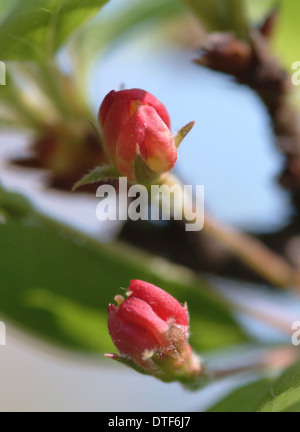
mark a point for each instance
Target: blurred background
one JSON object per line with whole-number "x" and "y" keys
{"x": 56, "y": 283}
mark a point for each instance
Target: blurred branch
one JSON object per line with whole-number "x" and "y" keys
{"x": 273, "y": 360}
{"x": 266, "y": 316}
{"x": 269, "y": 265}
{"x": 252, "y": 64}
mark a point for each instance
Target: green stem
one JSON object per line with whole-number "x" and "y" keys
{"x": 52, "y": 83}
{"x": 16, "y": 100}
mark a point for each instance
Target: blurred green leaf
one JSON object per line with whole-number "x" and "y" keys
{"x": 57, "y": 284}
{"x": 257, "y": 10}
{"x": 244, "y": 399}
{"x": 284, "y": 395}
{"x": 14, "y": 204}
{"x": 287, "y": 34}
{"x": 4, "y": 5}
{"x": 225, "y": 15}
{"x": 15, "y": 106}
{"x": 102, "y": 32}
{"x": 35, "y": 29}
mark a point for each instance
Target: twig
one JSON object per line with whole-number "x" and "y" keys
{"x": 251, "y": 251}
{"x": 257, "y": 256}
{"x": 269, "y": 318}
{"x": 277, "y": 358}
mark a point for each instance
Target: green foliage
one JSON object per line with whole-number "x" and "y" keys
{"x": 106, "y": 29}
{"x": 4, "y": 5}
{"x": 225, "y": 15}
{"x": 244, "y": 399}
{"x": 286, "y": 38}
{"x": 35, "y": 29}
{"x": 284, "y": 395}
{"x": 257, "y": 10}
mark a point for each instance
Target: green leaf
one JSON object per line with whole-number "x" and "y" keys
{"x": 284, "y": 395}
{"x": 104, "y": 172}
{"x": 57, "y": 283}
{"x": 257, "y": 10}
{"x": 104, "y": 31}
{"x": 4, "y": 5}
{"x": 286, "y": 38}
{"x": 244, "y": 399}
{"x": 35, "y": 29}
{"x": 14, "y": 204}
{"x": 225, "y": 15}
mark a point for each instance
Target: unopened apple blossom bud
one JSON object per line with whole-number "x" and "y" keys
{"x": 136, "y": 138}
{"x": 136, "y": 134}
{"x": 150, "y": 329}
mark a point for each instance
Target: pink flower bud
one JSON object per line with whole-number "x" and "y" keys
{"x": 136, "y": 125}
{"x": 151, "y": 329}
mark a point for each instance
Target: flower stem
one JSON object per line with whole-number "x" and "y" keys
{"x": 52, "y": 82}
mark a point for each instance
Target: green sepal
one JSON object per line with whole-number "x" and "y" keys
{"x": 98, "y": 174}
{"x": 183, "y": 133}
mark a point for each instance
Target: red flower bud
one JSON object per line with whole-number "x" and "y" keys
{"x": 135, "y": 124}
{"x": 150, "y": 329}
